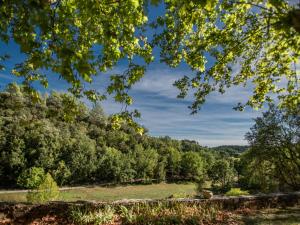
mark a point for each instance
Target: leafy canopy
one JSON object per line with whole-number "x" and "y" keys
{"x": 274, "y": 152}
{"x": 245, "y": 42}
{"x": 37, "y": 138}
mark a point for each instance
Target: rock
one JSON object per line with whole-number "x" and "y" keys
{"x": 207, "y": 194}
{"x": 172, "y": 196}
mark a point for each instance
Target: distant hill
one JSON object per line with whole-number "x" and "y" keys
{"x": 231, "y": 150}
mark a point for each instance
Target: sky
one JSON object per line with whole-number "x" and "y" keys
{"x": 162, "y": 113}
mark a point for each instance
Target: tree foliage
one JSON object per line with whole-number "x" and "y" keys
{"x": 192, "y": 166}
{"x": 275, "y": 150}
{"x": 31, "y": 178}
{"x": 244, "y": 42}
{"x": 222, "y": 173}
{"x": 47, "y": 190}
{"x": 36, "y": 138}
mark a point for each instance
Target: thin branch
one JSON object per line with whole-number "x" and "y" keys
{"x": 56, "y": 5}
{"x": 255, "y": 5}
{"x": 296, "y": 74}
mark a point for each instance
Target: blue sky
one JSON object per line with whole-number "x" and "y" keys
{"x": 162, "y": 113}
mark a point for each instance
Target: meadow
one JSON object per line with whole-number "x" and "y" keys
{"x": 96, "y": 193}
{"x": 154, "y": 214}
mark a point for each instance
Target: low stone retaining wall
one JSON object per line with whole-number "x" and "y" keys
{"x": 24, "y": 211}
{"x": 221, "y": 202}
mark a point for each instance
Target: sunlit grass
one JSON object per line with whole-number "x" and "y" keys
{"x": 13, "y": 197}
{"x": 153, "y": 191}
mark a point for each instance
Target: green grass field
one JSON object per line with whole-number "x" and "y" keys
{"x": 153, "y": 191}
{"x": 289, "y": 216}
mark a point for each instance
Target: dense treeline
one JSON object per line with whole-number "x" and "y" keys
{"x": 231, "y": 150}
{"x": 75, "y": 144}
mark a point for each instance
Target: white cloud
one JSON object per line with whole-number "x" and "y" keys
{"x": 160, "y": 81}
{"x": 163, "y": 114}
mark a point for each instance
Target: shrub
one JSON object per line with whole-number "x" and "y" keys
{"x": 46, "y": 191}
{"x": 31, "y": 178}
{"x": 86, "y": 216}
{"x": 62, "y": 173}
{"x": 127, "y": 215}
{"x": 142, "y": 214}
{"x": 236, "y": 192}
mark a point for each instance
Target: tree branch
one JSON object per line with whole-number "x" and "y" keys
{"x": 255, "y": 5}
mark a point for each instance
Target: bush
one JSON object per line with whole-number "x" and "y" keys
{"x": 31, "y": 178}
{"x": 46, "y": 191}
{"x": 236, "y": 192}
{"x": 127, "y": 215}
{"x": 62, "y": 173}
{"x": 141, "y": 214}
{"x": 87, "y": 216}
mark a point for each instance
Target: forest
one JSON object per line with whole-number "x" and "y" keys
{"x": 245, "y": 51}
{"x": 81, "y": 146}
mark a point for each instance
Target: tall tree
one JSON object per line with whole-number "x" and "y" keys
{"x": 275, "y": 143}
{"x": 222, "y": 173}
{"x": 192, "y": 166}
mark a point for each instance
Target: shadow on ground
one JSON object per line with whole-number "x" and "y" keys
{"x": 287, "y": 216}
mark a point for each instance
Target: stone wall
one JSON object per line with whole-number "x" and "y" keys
{"x": 24, "y": 212}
